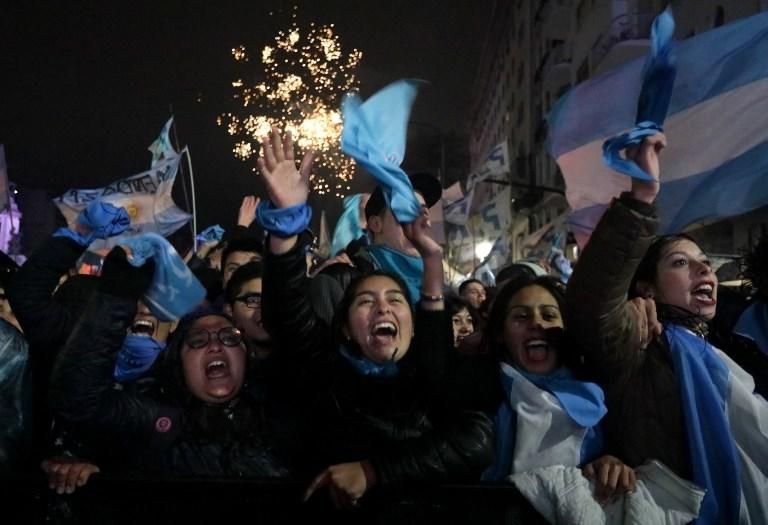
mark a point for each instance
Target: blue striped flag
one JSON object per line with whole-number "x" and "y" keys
{"x": 717, "y": 128}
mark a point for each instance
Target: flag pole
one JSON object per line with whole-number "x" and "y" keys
{"x": 194, "y": 208}
{"x": 183, "y": 180}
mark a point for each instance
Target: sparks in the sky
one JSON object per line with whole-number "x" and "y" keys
{"x": 305, "y": 75}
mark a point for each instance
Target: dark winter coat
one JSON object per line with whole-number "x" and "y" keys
{"x": 402, "y": 425}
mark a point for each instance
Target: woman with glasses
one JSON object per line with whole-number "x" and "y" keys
{"x": 197, "y": 418}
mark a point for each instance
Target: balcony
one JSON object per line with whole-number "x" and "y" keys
{"x": 627, "y": 38}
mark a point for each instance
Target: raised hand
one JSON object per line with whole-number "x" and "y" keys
{"x": 247, "y": 213}
{"x": 287, "y": 186}
{"x": 647, "y": 157}
{"x": 418, "y": 233}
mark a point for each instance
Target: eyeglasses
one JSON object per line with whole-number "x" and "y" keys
{"x": 251, "y": 300}
{"x": 200, "y": 337}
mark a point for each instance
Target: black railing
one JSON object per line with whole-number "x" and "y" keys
{"x": 108, "y": 500}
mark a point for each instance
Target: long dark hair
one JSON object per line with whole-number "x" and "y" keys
{"x": 342, "y": 311}
{"x": 492, "y": 336}
{"x": 648, "y": 272}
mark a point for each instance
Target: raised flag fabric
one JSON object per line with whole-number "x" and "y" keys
{"x": 348, "y": 226}
{"x": 717, "y": 157}
{"x": 145, "y": 196}
{"x": 658, "y": 80}
{"x": 496, "y": 164}
{"x": 174, "y": 291}
{"x": 374, "y": 134}
{"x": 162, "y": 148}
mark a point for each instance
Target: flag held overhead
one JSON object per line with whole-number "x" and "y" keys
{"x": 715, "y": 164}
{"x": 655, "y": 94}
{"x": 374, "y": 134}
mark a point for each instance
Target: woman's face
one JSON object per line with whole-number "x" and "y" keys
{"x": 214, "y": 372}
{"x": 463, "y": 325}
{"x": 684, "y": 278}
{"x": 530, "y": 312}
{"x": 379, "y": 319}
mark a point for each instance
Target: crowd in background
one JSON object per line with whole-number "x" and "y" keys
{"x": 363, "y": 375}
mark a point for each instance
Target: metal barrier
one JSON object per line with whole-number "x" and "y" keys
{"x": 106, "y": 500}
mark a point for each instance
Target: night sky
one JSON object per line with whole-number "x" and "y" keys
{"x": 87, "y": 86}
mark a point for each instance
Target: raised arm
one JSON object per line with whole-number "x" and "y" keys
{"x": 82, "y": 384}
{"x": 288, "y": 313}
{"x": 612, "y": 329}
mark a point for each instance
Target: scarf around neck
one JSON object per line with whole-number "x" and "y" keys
{"x": 584, "y": 403}
{"x": 705, "y": 387}
{"x": 366, "y": 367}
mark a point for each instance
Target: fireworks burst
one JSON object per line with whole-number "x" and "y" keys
{"x": 306, "y": 73}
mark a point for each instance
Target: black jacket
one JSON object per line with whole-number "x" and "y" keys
{"x": 47, "y": 319}
{"x": 402, "y": 425}
{"x": 150, "y": 432}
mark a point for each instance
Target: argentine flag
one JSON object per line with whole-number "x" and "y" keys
{"x": 717, "y": 127}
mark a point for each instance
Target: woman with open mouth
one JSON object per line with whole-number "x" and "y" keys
{"x": 671, "y": 395}
{"x": 196, "y": 419}
{"x": 548, "y": 415}
{"x": 378, "y": 422}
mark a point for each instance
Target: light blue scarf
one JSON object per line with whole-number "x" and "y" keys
{"x": 658, "y": 81}
{"x": 136, "y": 356}
{"x": 374, "y": 134}
{"x": 753, "y": 323}
{"x": 174, "y": 291}
{"x": 365, "y": 367}
{"x": 705, "y": 387}
{"x": 584, "y": 402}
{"x": 409, "y": 267}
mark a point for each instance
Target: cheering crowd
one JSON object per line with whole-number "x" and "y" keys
{"x": 623, "y": 395}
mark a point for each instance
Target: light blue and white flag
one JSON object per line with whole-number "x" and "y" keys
{"x": 374, "y": 134}
{"x": 348, "y": 227}
{"x": 717, "y": 129}
{"x": 162, "y": 148}
{"x": 496, "y": 164}
{"x": 145, "y": 196}
{"x": 174, "y": 291}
